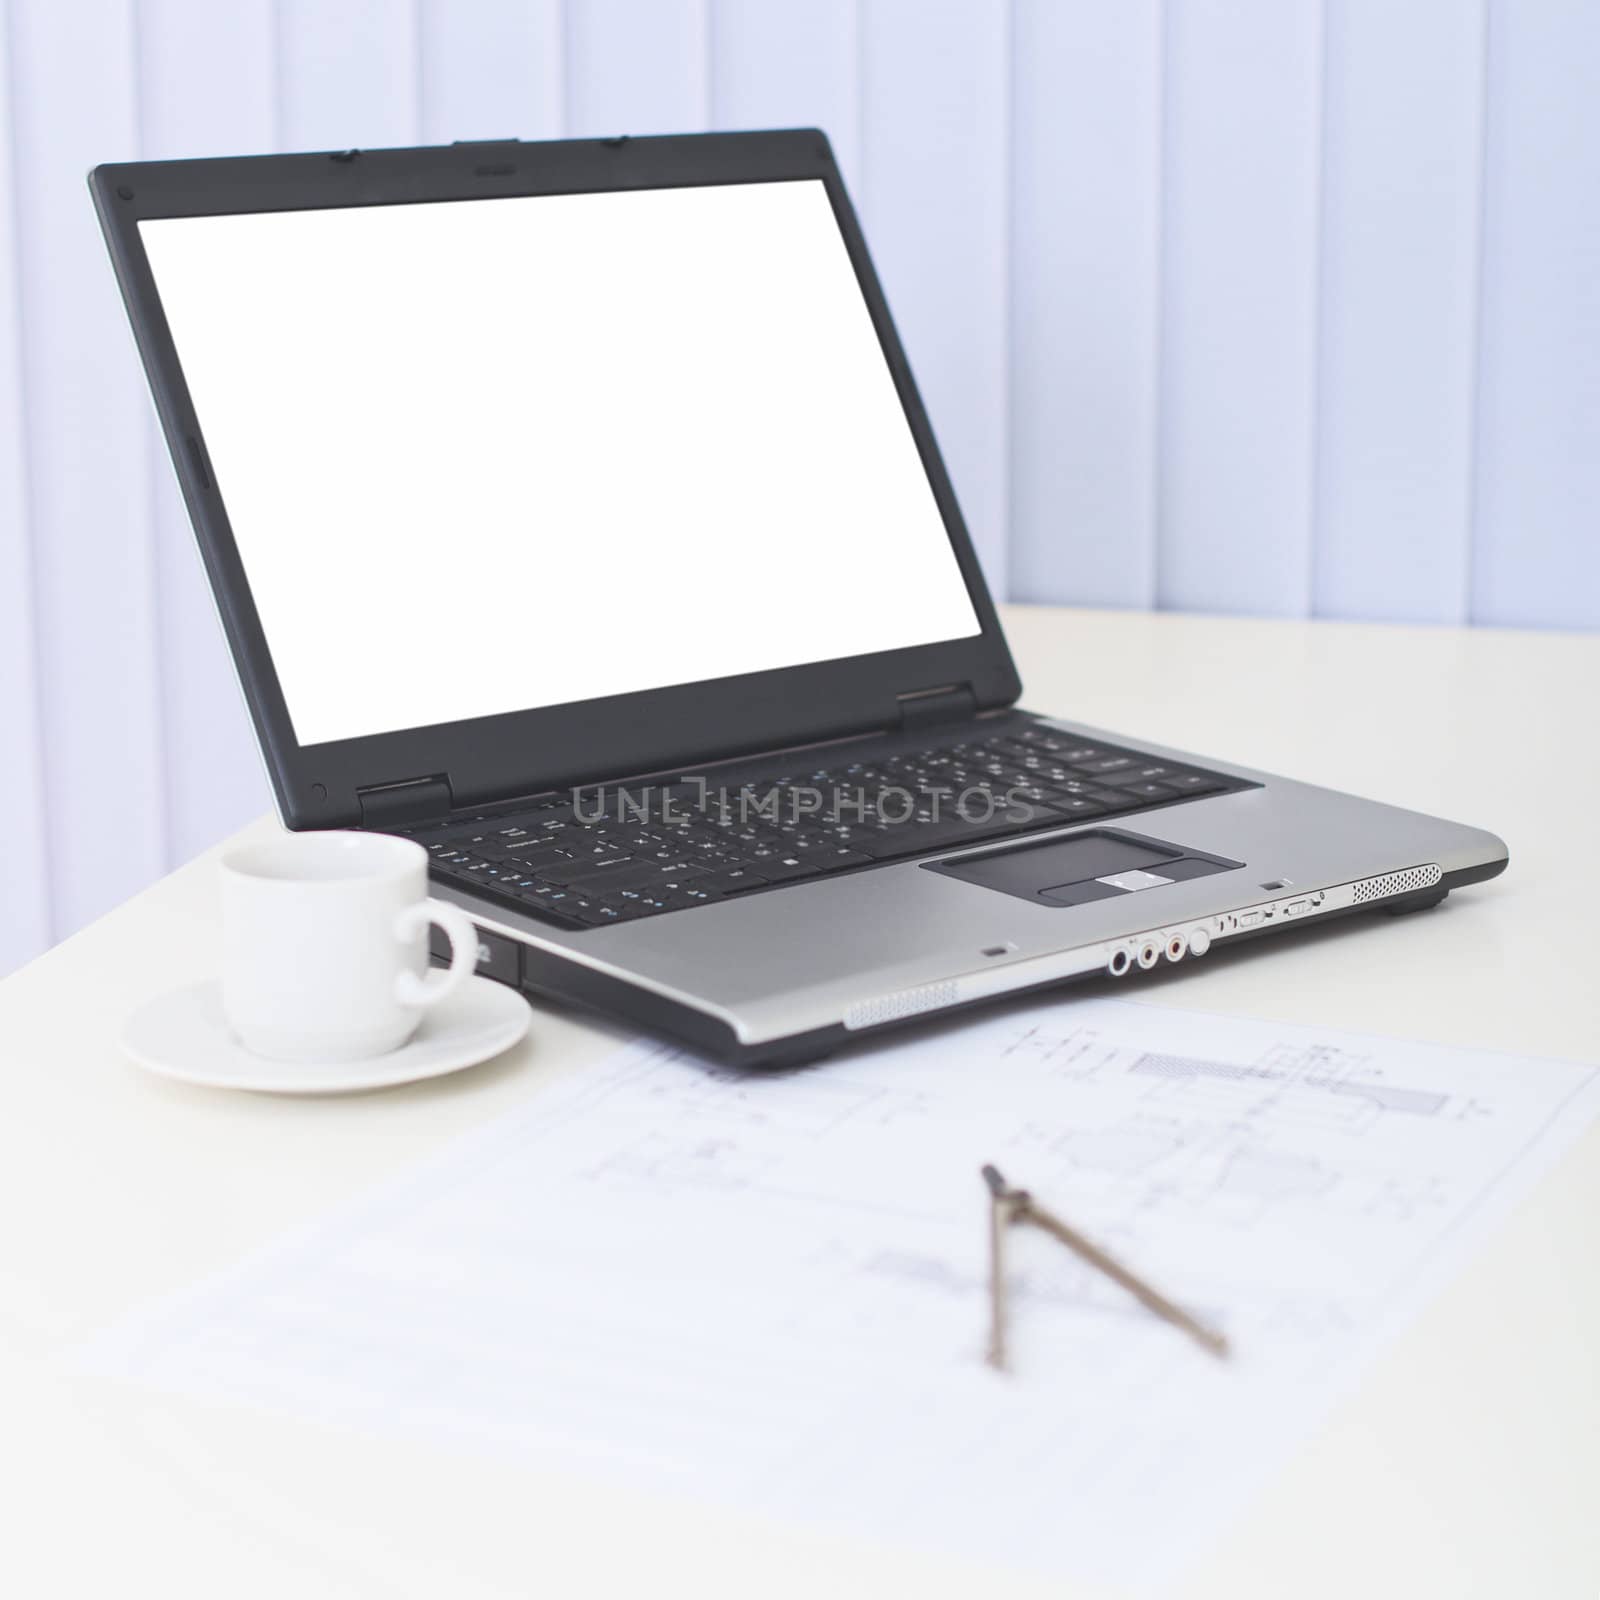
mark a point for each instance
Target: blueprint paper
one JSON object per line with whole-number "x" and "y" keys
{"x": 769, "y": 1289}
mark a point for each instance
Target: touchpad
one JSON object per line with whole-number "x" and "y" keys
{"x": 1082, "y": 867}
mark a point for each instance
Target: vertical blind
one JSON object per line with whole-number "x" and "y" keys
{"x": 1286, "y": 307}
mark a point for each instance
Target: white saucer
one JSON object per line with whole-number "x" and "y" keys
{"x": 184, "y": 1035}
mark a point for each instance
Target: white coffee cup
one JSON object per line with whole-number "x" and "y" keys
{"x": 325, "y": 945}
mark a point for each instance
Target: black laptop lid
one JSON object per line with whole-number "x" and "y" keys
{"x": 520, "y": 465}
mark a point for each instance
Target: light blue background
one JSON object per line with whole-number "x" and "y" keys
{"x": 1267, "y": 306}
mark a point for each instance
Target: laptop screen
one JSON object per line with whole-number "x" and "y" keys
{"x": 482, "y": 456}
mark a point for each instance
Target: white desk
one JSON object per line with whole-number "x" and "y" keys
{"x": 1466, "y": 1465}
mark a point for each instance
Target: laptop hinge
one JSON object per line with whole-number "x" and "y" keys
{"x": 926, "y": 708}
{"x": 390, "y": 805}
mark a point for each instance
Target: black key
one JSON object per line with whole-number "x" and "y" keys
{"x": 892, "y": 842}
{"x": 833, "y": 858}
{"x": 674, "y": 900}
{"x": 682, "y": 878}
{"x": 623, "y": 907}
{"x": 1195, "y": 782}
{"x": 806, "y": 835}
{"x": 652, "y": 901}
{"x": 619, "y": 871}
{"x": 1106, "y": 763}
{"x": 632, "y": 911}
{"x": 638, "y": 840}
{"x": 1063, "y": 749}
{"x": 1004, "y": 778}
{"x": 1048, "y": 772}
{"x": 796, "y": 827}
{"x": 1150, "y": 791}
{"x": 581, "y": 909}
{"x": 668, "y": 851}
{"x": 1136, "y": 774}
{"x": 586, "y": 853}
{"x": 691, "y": 894}
{"x": 570, "y": 869}
{"x": 556, "y": 816}
{"x": 1061, "y": 745}
{"x": 856, "y": 840}
{"x": 1022, "y": 818}
{"x": 537, "y": 892}
{"x": 1076, "y": 806}
{"x": 536, "y": 857}
{"x": 683, "y": 867}
{"x": 708, "y": 855}
{"x": 1009, "y": 815}
{"x": 554, "y": 895}
{"x": 1037, "y": 793}
{"x": 783, "y": 868}
{"x": 635, "y": 875}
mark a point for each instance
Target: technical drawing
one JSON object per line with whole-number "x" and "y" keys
{"x": 771, "y": 1289}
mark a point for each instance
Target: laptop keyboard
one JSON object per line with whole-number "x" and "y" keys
{"x": 616, "y": 853}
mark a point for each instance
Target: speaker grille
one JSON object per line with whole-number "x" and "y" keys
{"x": 1392, "y": 883}
{"x": 904, "y": 1003}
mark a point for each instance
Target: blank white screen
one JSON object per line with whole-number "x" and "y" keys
{"x": 486, "y": 455}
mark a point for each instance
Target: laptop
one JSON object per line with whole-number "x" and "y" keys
{"x": 570, "y": 509}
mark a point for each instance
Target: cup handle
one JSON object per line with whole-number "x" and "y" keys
{"x": 409, "y": 989}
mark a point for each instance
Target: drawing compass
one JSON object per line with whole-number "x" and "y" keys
{"x": 1008, "y": 1206}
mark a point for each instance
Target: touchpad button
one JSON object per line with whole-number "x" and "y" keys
{"x": 1137, "y": 878}
{"x": 1081, "y": 867}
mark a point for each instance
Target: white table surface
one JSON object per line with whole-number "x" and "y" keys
{"x": 1466, "y": 1465}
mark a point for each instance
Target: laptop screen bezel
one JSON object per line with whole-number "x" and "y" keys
{"x": 491, "y": 758}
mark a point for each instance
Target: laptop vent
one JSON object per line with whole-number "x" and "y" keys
{"x": 905, "y": 1003}
{"x": 1392, "y": 883}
